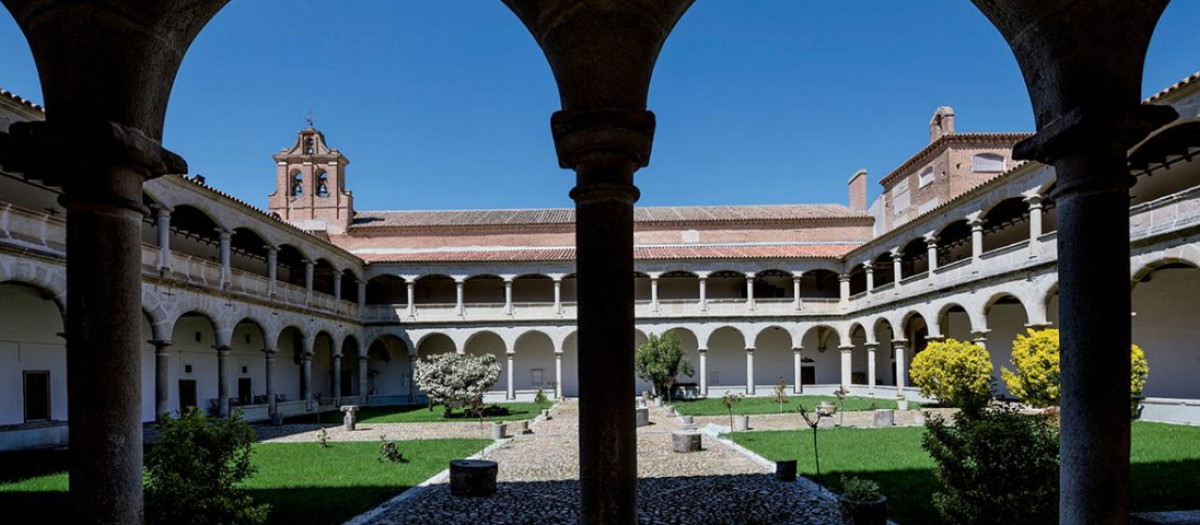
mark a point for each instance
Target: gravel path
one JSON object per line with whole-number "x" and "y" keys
{"x": 538, "y": 483}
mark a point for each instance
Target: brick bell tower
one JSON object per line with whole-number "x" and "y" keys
{"x": 310, "y": 185}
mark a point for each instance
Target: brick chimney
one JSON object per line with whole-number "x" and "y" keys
{"x": 941, "y": 124}
{"x": 858, "y": 191}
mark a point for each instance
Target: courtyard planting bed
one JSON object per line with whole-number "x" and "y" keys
{"x": 712, "y": 406}
{"x": 422, "y": 414}
{"x": 304, "y": 483}
{"x": 1165, "y": 464}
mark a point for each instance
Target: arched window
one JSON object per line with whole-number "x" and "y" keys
{"x": 987, "y": 163}
{"x": 297, "y": 185}
{"x": 309, "y": 149}
{"x": 322, "y": 185}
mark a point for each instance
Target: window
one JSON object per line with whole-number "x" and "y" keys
{"x": 37, "y": 395}
{"x": 926, "y": 177}
{"x": 538, "y": 375}
{"x": 987, "y": 163}
{"x": 900, "y": 200}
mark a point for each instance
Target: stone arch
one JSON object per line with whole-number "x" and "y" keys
{"x": 950, "y": 320}
{"x": 51, "y": 283}
{"x": 534, "y": 362}
{"x": 390, "y": 361}
{"x": 438, "y": 342}
{"x": 820, "y": 355}
{"x": 726, "y": 359}
{"x": 773, "y": 356}
{"x": 1141, "y": 271}
{"x": 31, "y": 341}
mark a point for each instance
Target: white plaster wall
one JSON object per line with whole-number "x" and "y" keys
{"x": 187, "y": 350}
{"x": 247, "y": 360}
{"x": 691, "y": 346}
{"x": 390, "y": 359}
{"x": 726, "y": 359}
{"x": 1165, "y": 328}
{"x": 534, "y": 351}
{"x": 1005, "y": 321}
{"x": 773, "y": 358}
{"x": 828, "y": 364}
{"x": 29, "y": 325}
{"x": 148, "y": 369}
{"x": 571, "y": 366}
{"x": 287, "y": 371}
{"x": 322, "y": 367}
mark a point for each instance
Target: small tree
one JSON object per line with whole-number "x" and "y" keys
{"x": 779, "y": 394}
{"x": 660, "y": 360}
{"x": 730, "y": 400}
{"x": 453, "y": 380}
{"x": 1038, "y": 373}
{"x": 957, "y": 373}
{"x": 195, "y": 470}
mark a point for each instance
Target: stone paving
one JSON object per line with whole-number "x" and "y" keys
{"x": 538, "y": 483}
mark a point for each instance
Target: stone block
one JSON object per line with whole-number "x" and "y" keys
{"x": 885, "y": 418}
{"x": 498, "y": 430}
{"x": 643, "y": 416}
{"x": 685, "y": 441}
{"x": 473, "y": 477}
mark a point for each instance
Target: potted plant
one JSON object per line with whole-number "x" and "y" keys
{"x": 861, "y": 503}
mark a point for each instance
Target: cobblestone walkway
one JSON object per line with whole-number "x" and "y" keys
{"x": 538, "y": 484}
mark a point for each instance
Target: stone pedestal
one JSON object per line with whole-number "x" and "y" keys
{"x": 643, "y": 416}
{"x": 523, "y": 428}
{"x": 885, "y": 418}
{"x": 498, "y": 430}
{"x": 685, "y": 441}
{"x": 825, "y": 422}
{"x": 741, "y": 423}
{"x": 349, "y": 417}
{"x": 472, "y": 477}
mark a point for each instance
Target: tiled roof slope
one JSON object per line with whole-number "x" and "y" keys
{"x": 666, "y": 214}
{"x": 20, "y": 100}
{"x": 781, "y": 251}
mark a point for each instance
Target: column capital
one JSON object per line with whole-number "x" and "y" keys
{"x": 749, "y": 349}
{"x": 702, "y": 350}
{"x": 224, "y": 232}
{"x": 868, "y": 267}
{"x": 976, "y": 224}
{"x": 362, "y": 357}
{"x": 221, "y": 348}
{"x": 931, "y": 239}
{"x": 846, "y": 349}
{"x": 843, "y": 277}
{"x": 896, "y": 253}
{"x": 270, "y": 352}
{"x": 628, "y": 134}
{"x": 1034, "y": 200}
{"x": 162, "y": 211}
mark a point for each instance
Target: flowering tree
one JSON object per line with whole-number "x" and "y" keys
{"x": 453, "y": 380}
{"x": 955, "y": 372}
{"x": 1038, "y": 374}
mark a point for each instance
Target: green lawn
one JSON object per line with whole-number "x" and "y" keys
{"x": 711, "y": 406}
{"x": 422, "y": 414}
{"x": 304, "y": 483}
{"x": 1165, "y": 464}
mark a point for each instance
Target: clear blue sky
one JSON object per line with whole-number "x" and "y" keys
{"x": 446, "y": 105}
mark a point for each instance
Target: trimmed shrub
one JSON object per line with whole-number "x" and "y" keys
{"x": 454, "y": 380}
{"x": 1038, "y": 373}
{"x": 996, "y": 466}
{"x": 958, "y": 373}
{"x": 195, "y": 469}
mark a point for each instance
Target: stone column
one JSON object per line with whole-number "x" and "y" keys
{"x": 1035, "y": 223}
{"x": 844, "y": 287}
{"x": 511, "y": 392}
{"x": 162, "y": 379}
{"x": 654, "y": 294}
{"x": 976, "y": 225}
{"x": 222, "y": 380}
{"x": 163, "y": 221}
{"x": 459, "y": 307}
{"x": 605, "y": 147}
{"x": 980, "y": 338}
{"x": 871, "y": 368}
{"x": 797, "y": 368}
{"x": 410, "y": 289}
{"x": 558, "y": 295}
{"x": 269, "y": 379}
{"x": 508, "y": 300}
{"x": 337, "y": 291}
{"x": 869, "y": 270}
{"x": 750, "y": 293}
{"x": 796, "y": 292}
{"x": 272, "y": 268}
{"x": 749, "y": 371}
{"x": 901, "y": 368}
{"x": 306, "y": 380}
{"x": 847, "y": 363}
{"x": 703, "y": 370}
{"x": 931, "y": 252}
{"x": 364, "y": 387}
{"x": 226, "y": 236}
{"x": 897, "y": 269}
{"x": 308, "y": 281}
{"x": 362, "y": 296}
{"x": 337, "y": 380}
{"x": 703, "y": 294}
{"x": 558, "y": 377}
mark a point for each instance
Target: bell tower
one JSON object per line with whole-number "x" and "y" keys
{"x": 310, "y": 185}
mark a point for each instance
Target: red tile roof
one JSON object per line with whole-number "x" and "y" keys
{"x": 666, "y": 214}
{"x": 790, "y": 251}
